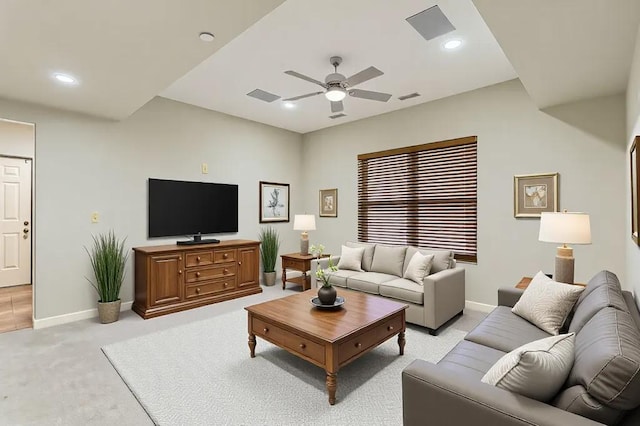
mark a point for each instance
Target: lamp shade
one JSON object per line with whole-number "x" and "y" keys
{"x": 304, "y": 222}
{"x": 565, "y": 228}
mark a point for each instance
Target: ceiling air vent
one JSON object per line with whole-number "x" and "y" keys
{"x": 431, "y": 23}
{"x": 263, "y": 96}
{"x": 409, "y": 96}
{"x": 333, "y": 117}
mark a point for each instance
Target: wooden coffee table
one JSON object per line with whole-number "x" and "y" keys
{"x": 328, "y": 339}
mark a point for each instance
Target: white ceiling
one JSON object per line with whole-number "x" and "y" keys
{"x": 567, "y": 50}
{"x": 302, "y": 35}
{"x": 123, "y": 52}
{"x": 126, "y": 52}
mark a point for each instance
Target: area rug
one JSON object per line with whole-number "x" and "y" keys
{"x": 201, "y": 374}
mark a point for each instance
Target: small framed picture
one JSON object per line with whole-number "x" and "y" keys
{"x": 274, "y": 202}
{"x": 534, "y": 194}
{"x": 329, "y": 202}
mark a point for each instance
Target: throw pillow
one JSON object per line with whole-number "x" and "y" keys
{"x": 388, "y": 260}
{"x": 367, "y": 258}
{"x": 419, "y": 267}
{"x": 546, "y": 303}
{"x": 351, "y": 258}
{"x": 536, "y": 370}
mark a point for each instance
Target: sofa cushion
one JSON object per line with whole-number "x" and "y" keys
{"x": 546, "y": 303}
{"x": 388, "y": 260}
{"x": 368, "y": 281}
{"x": 418, "y": 267}
{"x": 536, "y": 370}
{"x": 367, "y": 258}
{"x": 351, "y": 258}
{"x": 403, "y": 289}
{"x": 442, "y": 259}
{"x": 504, "y": 330}
{"x": 599, "y": 279}
{"x": 339, "y": 277}
{"x": 607, "y": 359}
{"x": 471, "y": 357}
{"x": 606, "y": 295}
{"x": 577, "y": 400}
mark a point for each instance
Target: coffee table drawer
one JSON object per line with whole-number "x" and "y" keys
{"x": 362, "y": 343}
{"x": 288, "y": 340}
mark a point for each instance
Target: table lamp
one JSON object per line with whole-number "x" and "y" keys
{"x": 304, "y": 223}
{"x": 565, "y": 228}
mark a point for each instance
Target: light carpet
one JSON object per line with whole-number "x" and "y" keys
{"x": 201, "y": 374}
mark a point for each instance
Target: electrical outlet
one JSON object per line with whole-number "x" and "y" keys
{"x": 205, "y": 168}
{"x": 95, "y": 217}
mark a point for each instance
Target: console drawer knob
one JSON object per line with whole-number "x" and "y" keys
{"x": 197, "y": 290}
{"x": 225, "y": 255}
{"x": 265, "y": 330}
{"x": 302, "y": 346}
{"x": 197, "y": 274}
{"x": 226, "y": 284}
{"x": 358, "y": 345}
{"x": 198, "y": 259}
{"x": 390, "y": 328}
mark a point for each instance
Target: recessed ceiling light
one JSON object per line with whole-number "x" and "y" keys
{"x": 289, "y": 105}
{"x": 65, "y": 78}
{"x": 453, "y": 44}
{"x": 206, "y": 36}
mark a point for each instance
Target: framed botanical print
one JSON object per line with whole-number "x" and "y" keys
{"x": 534, "y": 194}
{"x": 329, "y": 202}
{"x": 635, "y": 184}
{"x": 274, "y": 202}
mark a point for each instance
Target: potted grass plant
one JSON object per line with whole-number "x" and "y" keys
{"x": 108, "y": 261}
{"x": 270, "y": 244}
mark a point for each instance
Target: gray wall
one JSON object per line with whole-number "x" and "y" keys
{"x": 584, "y": 142}
{"x": 17, "y": 139}
{"x": 633, "y": 129}
{"x": 86, "y": 164}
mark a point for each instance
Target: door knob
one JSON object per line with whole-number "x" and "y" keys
{"x": 26, "y": 223}
{"x": 25, "y": 230}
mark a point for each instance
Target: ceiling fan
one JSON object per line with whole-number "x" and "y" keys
{"x": 337, "y": 85}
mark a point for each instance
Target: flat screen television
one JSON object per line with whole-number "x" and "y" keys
{"x": 191, "y": 208}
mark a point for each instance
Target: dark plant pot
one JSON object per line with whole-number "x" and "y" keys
{"x": 109, "y": 311}
{"x": 327, "y": 295}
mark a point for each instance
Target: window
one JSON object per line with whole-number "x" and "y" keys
{"x": 424, "y": 195}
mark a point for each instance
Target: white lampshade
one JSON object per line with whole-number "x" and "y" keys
{"x": 335, "y": 94}
{"x": 304, "y": 222}
{"x": 565, "y": 228}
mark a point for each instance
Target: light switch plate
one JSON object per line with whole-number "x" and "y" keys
{"x": 95, "y": 217}
{"x": 205, "y": 168}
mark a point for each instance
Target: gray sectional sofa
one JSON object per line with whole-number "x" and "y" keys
{"x": 603, "y": 386}
{"x": 440, "y": 296}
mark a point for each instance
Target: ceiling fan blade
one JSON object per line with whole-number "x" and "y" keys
{"x": 295, "y": 98}
{"x": 304, "y": 77}
{"x": 368, "y": 94}
{"x": 337, "y": 106}
{"x": 362, "y": 76}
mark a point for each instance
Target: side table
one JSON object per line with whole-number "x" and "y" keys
{"x": 297, "y": 262}
{"x": 524, "y": 283}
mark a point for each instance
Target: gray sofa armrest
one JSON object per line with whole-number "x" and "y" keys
{"x": 437, "y": 396}
{"x": 324, "y": 264}
{"x": 444, "y": 296}
{"x": 509, "y": 296}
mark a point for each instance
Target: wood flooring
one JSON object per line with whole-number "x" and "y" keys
{"x": 16, "y": 308}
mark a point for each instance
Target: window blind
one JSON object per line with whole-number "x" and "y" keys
{"x": 424, "y": 195}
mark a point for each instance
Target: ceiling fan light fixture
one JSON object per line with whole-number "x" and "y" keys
{"x": 335, "y": 94}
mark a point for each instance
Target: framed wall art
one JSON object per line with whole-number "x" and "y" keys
{"x": 329, "y": 202}
{"x": 635, "y": 184}
{"x": 274, "y": 202}
{"x": 534, "y": 194}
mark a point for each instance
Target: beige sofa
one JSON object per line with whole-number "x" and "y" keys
{"x": 440, "y": 296}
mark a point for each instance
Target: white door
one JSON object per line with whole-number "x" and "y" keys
{"x": 15, "y": 221}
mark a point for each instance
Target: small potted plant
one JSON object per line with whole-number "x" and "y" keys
{"x": 327, "y": 293}
{"x": 108, "y": 261}
{"x": 270, "y": 244}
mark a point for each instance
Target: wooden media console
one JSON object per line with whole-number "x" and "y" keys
{"x": 173, "y": 278}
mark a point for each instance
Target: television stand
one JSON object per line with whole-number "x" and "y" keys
{"x": 197, "y": 241}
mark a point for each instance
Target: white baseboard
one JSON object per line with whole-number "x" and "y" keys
{"x": 482, "y": 307}
{"x": 74, "y": 316}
